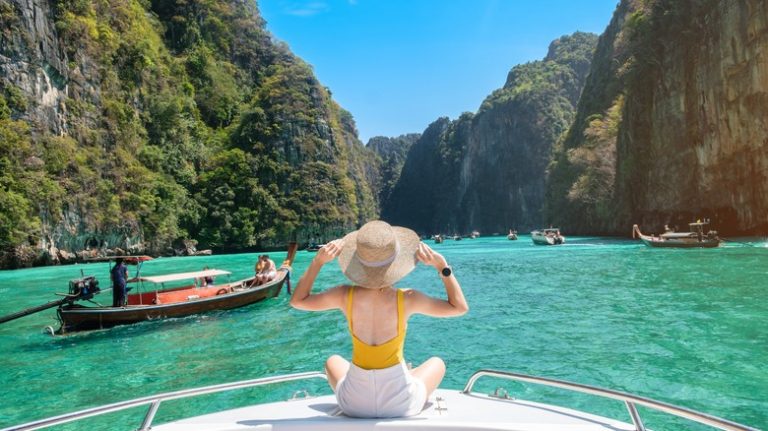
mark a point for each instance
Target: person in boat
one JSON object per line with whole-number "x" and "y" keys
{"x": 257, "y": 269}
{"x": 207, "y": 280}
{"x": 268, "y": 270}
{"x": 119, "y": 275}
{"x": 377, "y": 383}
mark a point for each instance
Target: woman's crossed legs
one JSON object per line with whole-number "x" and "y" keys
{"x": 430, "y": 373}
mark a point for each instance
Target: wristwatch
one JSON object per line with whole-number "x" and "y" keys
{"x": 446, "y": 272}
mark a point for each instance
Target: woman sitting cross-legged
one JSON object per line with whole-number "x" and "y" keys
{"x": 378, "y": 383}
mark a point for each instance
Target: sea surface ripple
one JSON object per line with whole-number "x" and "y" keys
{"x": 688, "y": 327}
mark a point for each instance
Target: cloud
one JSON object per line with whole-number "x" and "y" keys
{"x": 305, "y": 8}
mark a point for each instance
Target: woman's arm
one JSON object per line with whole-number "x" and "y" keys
{"x": 302, "y": 297}
{"x": 418, "y": 302}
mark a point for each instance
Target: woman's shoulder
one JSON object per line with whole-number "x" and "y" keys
{"x": 412, "y": 293}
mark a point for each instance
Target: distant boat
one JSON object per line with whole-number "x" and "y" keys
{"x": 474, "y": 234}
{"x": 314, "y": 247}
{"x": 550, "y": 236}
{"x": 437, "y": 238}
{"x": 694, "y": 238}
{"x": 512, "y": 235}
{"x": 457, "y": 238}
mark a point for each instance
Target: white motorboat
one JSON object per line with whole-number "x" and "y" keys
{"x": 445, "y": 409}
{"x": 549, "y": 236}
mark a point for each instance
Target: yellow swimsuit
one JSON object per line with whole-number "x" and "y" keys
{"x": 384, "y": 355}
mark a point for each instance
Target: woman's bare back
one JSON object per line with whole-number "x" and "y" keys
{"x": 374, "y": 314}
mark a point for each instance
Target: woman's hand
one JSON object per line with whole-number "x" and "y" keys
{"x": 329, "y": 251}
{"x": 430, "y": 257}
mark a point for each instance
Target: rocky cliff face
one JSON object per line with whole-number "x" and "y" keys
{"x": 391, "y": 158}
{"x": 680, "y": 90}
{"x": 487, "y": 171}
{"x": 136, "y": 126}
{"x": 33, "y": 60}
{"x": 425, "y": 197}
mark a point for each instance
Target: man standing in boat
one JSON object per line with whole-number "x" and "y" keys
{"x": 119, "y": 282}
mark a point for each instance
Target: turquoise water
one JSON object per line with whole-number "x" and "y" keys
{"x": 689, "y": 327}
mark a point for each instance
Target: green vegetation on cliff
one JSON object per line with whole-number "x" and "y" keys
{"x": 392, "y": 153}
{"x": 487, "y": 171}
{"x": 182, "y": 120}
{"x": 666, "y": 130}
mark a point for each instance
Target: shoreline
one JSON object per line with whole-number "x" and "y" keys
{"x": 223, "y": 251}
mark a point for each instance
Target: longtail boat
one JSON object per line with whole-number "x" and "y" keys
{"x": 549, "y": 236}
{"x": 694, "y": 238}
{"x": 153, "y": 301}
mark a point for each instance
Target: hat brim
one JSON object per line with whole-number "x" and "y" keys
{"x": 374, "y": 277}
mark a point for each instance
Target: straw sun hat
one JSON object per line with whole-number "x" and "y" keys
{"x": 378, "y": 254}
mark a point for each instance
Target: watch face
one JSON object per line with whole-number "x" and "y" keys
{"x": 446, "y": 271}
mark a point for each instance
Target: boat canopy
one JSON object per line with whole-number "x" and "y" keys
{"x": 675, "y": 235}
{"x": 184, "y": 276}
{"x": 548, "y": 230}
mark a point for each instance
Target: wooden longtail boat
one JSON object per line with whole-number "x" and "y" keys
{"x": 695, "y": 238}
{"x": 158, "y": 303}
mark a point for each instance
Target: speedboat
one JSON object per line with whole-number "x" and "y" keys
{"x": 446, "y": 409}
{"x": 314, "y": 247}
{"x": 549, "y": 236}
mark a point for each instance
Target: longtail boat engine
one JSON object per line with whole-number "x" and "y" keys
{"x": 83, "y": 288}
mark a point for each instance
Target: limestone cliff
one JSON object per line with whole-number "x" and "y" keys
{"x": 391, "y": 158}
{"x": 425, "y": 198}
{"x": 487, "y": 171}
{"x": 671, "y": 125}
{"x": 146, "y": 126}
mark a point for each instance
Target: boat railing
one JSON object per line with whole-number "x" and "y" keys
{"x": 631, "y": 401}
{"x": 154, "y": 401}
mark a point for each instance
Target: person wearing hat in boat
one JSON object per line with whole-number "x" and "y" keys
{"x": 377, "y": 383}
{"x": 119, "y": 275}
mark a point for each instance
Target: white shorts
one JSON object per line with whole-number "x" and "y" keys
{"x": 387, "y": 393}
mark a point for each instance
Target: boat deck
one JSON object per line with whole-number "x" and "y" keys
{"x": 446, "y": 409}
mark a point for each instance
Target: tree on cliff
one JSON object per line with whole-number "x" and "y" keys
{"x": 182, "y": 119}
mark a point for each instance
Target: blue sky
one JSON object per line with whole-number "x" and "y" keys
{"x": 398, "y": 65}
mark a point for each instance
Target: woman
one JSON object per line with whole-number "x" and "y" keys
{"x": 377, "y": 383}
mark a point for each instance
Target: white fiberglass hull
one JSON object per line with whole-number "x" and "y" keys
{"x": 446, "y": 409}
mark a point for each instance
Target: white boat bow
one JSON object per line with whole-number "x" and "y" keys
{"x": 446, "y": 409}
